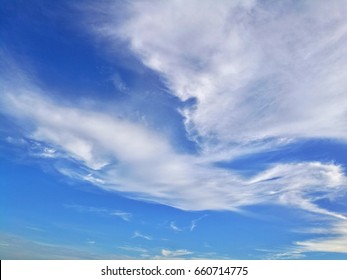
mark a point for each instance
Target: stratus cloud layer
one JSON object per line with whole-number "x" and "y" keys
{"x": 256, "y": 71}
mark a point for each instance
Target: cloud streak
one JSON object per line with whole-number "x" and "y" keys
{"x": 116, "y": 213}
{"x": 195, "y": 222}
{"x": 335, "y": 242}
{"x": 126, "y": 157}
{"x": 174, "y": 227}
{"x": 140, "y": 235}
{"x": 174, "y": 254}
{"x": 333, "y": 239}
{"x": 254, "y": 71}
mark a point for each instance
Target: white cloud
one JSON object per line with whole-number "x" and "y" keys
{"x": 123, "y": 215}
{"x": 257, "y": 71}
{"x": 335, "y": 242}
{"x": 191, "y": 227}
{"x": 176, "y": 253}
{"x": 140, "y": 235}
{"x": 117, "y": 213}
{"x": 195, "y": 222}
{"x": 127, "y": 157}
{"x": 118, "y": 82}
{"x": 260, "y": 78}
{"x": 16, "y": 141}
{"x": 332, "y": 239}
{"x": 174, "y": 227}
{"x": 129, "y": 141}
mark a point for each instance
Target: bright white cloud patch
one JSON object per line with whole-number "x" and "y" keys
{"x": 141, "y": 163}
{"x": 333, "y": 239}
{"x": 256, "y": 70}
{"x": 336, "y": 242}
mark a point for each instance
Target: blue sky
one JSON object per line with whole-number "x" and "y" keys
{"x": 173, "y": 129}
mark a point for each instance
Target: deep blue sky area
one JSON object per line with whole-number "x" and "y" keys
{"x": 173, "y": 130}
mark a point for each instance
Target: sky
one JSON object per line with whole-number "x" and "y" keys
{"x": 173, "y": 129}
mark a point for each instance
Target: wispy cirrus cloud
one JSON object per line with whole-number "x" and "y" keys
{"x": 259, "y": 76}
{"x": 332, "y": 239}
{"x": 119, "y": 155}
{"x": 174, "y": 227}
{"x": 138, "y": 234}
{"x": 256, "y": 71}
{"x": 193, "y": 224}
{"x": 335, "y": 239}
{"x": 111, "y": 212}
